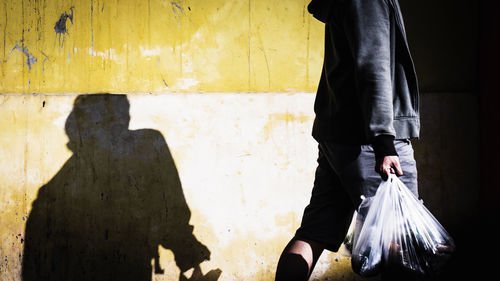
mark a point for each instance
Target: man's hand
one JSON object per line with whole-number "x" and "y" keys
{"x": 388, "y": 165}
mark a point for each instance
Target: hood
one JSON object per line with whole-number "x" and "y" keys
{"x": 321, "y": 9}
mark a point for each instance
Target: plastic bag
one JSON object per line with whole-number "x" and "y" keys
{"x": 355, "y": 227}
{"x": 398, "y": 231}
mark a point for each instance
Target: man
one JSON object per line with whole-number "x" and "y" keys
{"x": 366, "y": 113}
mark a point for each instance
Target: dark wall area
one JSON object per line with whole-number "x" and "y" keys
{"x": 489, "y": 124}
{"x": 443, "y": 37}
{"x": 445, "y": 40}
{"x": 445, "y": 48}
{"x": 489, "y": 103}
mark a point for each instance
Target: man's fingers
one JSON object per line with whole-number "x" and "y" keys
{"x": 399, "y": 171}
{"x": 387, "y": 171}
{"x": 384, "y": 174}
{"x": 390, "y": 165}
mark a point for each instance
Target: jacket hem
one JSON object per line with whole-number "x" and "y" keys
{"x": 407, "y": 128}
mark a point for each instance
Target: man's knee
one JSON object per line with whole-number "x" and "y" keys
{"x": 292, "y": 267}
{"x": 298, "y": 259}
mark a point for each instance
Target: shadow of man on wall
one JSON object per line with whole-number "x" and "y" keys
{"x": 116, "y": 199}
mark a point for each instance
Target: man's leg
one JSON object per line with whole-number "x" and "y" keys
{"x": 298, "y": 260}
{"x": 324, "y": 225}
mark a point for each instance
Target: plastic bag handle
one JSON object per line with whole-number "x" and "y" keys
{"x": 391, "y": 177}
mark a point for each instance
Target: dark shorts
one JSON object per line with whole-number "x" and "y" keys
{"x": 344, "y": 173}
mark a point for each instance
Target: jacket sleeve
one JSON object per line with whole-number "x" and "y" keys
{"x": 367, "y": 28}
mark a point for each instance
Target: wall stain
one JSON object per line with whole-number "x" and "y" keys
{"x": 178, "y": 11}
{"x": 279, "y": 118}
{"x": 92, "y": 27}
{"x": 5, "y": 29}
{"x": 44, "y": 60}
{"x": 30, "y": 59}
{"x": 249, "y": 41}
{"x": 60, "y": 26}
{"x": 263, "y": 50}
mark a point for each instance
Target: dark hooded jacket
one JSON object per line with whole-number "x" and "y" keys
{"x": 368, "y": 92}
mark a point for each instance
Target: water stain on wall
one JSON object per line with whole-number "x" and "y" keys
{"x": 277, "y": 119}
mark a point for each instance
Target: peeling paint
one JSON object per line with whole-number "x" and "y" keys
{"x": 186, "y": 83}
{"x": 30, "y": 59}
{"x": 60, "y": 26}
{"x": 145, "y": 52}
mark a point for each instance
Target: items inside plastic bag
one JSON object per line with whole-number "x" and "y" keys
{"x": 355, "y": 226}
{"x": 394, "y": 229}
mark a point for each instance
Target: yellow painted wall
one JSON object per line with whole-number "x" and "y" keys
{"x": 239, "y": 166}
{"x": 76, "y": 46}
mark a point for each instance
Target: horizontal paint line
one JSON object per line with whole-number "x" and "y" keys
{"x": 204, "y": 93}
{"x": 162, "y": 94}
